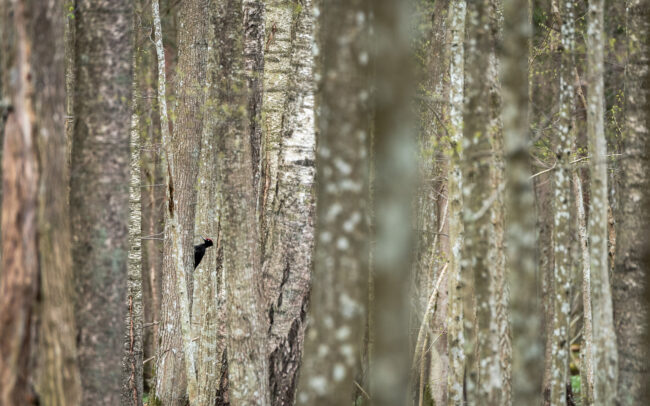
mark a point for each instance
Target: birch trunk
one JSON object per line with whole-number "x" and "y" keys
{"x": 630, "y": 279}
{"x": 457, "y": 287}
{"x": 288, "y": 175}
{"x": 132, "y": 385}
{"x": 99, "y": 195}
{"x": 605, "y": 355}
{"x": 333, "y": 344}
{"x": 527, "y": 350}
{"x": 562, "y": 228}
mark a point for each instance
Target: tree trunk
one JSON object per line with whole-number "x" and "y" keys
{"x": 526, "y": 323}
{"x": 288, "y": 176}
{"x": 478, "y": 196}
{"x": 246, "y": 324}
{"x": 177, "y": 381}
{"x": 58, "y": 379}
{"x": 333, "y": 344}
{"x": 132, "y": 368}
{"x": 19, "y": 280}
{"x": 457, "y": 287}
{"x": 605, "y": 356}
{"x": 99, "y": 196}
{"x": 631, "y": 271}
{"x": 559, "y": 345}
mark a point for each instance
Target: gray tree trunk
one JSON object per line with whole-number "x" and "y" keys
{"x": 287, "y": 196}
{"x": 246, "y": 324}
{"x": 177, "y": 352}
{"x": 605, "y": 355}
{"x": 631, "y": 270}
{"x": 99, "y": 191}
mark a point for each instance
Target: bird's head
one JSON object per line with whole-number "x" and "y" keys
{"x": 208, "y": 242}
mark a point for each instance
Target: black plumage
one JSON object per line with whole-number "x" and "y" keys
{"x": 199, "y": 251}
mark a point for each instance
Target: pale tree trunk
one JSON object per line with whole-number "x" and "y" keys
{"x": 559, "y": 345}
{"x": 631, "y": 271}
{"x": 58, "y": 380}
{"x": 527, "y": 350}
{"x": 132, "y": 368}
{"x": 99, "y": 195}
{"x": 208, "y": 324}
{"x": 287, "y": 198}
{"x": 605, "y": 356}
{"x": 333, "y": 342}
{"x": 246, "y": 323}
{"x": 587, "y": 369}
{"x": 457, "y": 287}
{"x": 478, "y": 197}
{"x": 177, "y": 379}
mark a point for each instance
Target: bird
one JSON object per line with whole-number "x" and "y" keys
{"x": 199, "y": 251}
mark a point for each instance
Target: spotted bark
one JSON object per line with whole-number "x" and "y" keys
{"x": 333, "y": 342}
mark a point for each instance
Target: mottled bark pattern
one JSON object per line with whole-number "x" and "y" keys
{"x": 631, "y": 271}
{"x": 340, "y": 278}
{"x": 559, "y": 339}
{"x": 19, "y": 279}
{"x": 457, "y": 287}
{"x": 478, "y": 198}
{"x": 99, "y": 192}
{"x": 525, "y": 313}
{"x": 246, "y": 324}
{"x": 132, "y": 384}
{"x": 289, "y": 168}
{"x": 605, "y": 355}
{"x": 58, "y": 379}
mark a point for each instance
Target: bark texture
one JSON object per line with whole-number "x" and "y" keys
{"x": 247, "y": 327}
{"x": 99, "y": 192}
{"x": 333, "y": 343}
{"x": 288, "y": 176}
{"x": 631, "y": 271}
{"x": 455, "y": 337}
{"x": 177, "y": 381}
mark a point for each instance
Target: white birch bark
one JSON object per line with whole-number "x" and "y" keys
{"x": 562, "y": 185}
{"x": 455, "y": 336}
{"x": 288, "y": 174}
